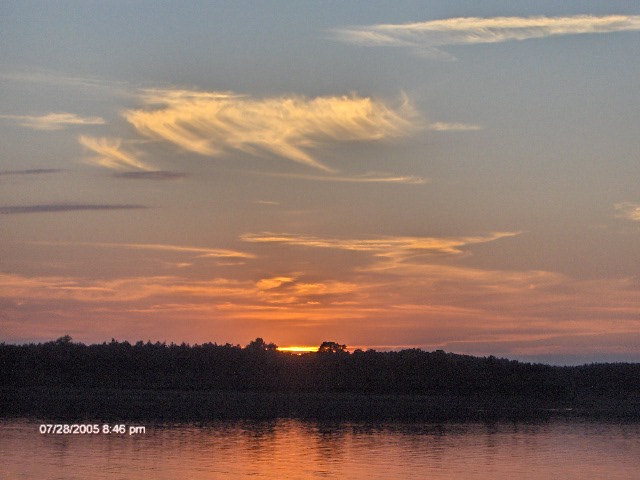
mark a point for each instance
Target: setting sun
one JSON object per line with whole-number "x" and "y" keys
{"x": 298, "y": 349}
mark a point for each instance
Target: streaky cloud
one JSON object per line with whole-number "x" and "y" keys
{"x": 436, "y": 305}
{"x": 203, "y": 252}
{"x": 289, "y": 126}
{"x": 367, "y": 178}
{"x": 64, "y": 207}
{"x": 56, "y": 78}
{"x": 151, "y": 175}
{"x": 110, "y": 154}
{"x": 291, "y": 290}
{"x": 31, "y": 171}
{"x": 628, "y": 211}
{"x": 398, "y": 247}
{"x": 53, "y": 121}
{"x": 273, "y": 282}
{"x": 453, "y": 127}
{"x": 424, "y": 38}
{"x": 117, "y": 290}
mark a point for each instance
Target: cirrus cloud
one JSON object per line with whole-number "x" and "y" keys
{"x": 371, "y": 177}
{"x": 390, "y": 247}
{"x": 203, "y": 252}
{"x": 150, "y": 175}
{"x": 211, "y": 123}
{"x": 53, "y": 121}
{"x": 424, "y": 38}
{"x": 109, "y": 153}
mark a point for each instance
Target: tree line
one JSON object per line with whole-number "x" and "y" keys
{"x": 260, "y": 367}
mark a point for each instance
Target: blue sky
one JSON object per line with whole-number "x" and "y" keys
{"x": 455, "y": 175}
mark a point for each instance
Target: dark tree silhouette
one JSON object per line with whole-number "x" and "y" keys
{"x": 259, "y": 345}
{"x": 332, "y": 347}
{"x": 261, "y": 368}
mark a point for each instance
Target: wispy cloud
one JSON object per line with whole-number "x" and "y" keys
{"x": 628, "y": 210}
{"x": 211, "y": 123}
{"x": 366, "y": 178}
{"x": 424, "y": 38}
{"x": 150, "y": 175}
{"x": 437, "y": 304}
{"x": 53, "y": 121}
{"x": 54, "y": 78}
{"x": 258, "y": 296}
{"x": 291, "y": 290}
{"x": 392, "y": 247}
{"x": 110, "y": 153}
{"x": 453, "y": 127}
{"x": 203, "y": 252}
{"x": 62, "y": 207}
{"x": 116, "y": 290}
{"x": 273, "y": 282}
{"x": 31, "y": 171}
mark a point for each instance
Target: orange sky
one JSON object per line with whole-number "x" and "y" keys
{"x": 385, "y": 178}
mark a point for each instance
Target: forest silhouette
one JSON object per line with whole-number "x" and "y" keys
{"x": 26, "y": 371}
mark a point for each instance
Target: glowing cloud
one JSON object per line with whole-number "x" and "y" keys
{"x": 115, "y": 290}
{"x": 202, "y": 252}
{"x": 392, "y": 247}
{"x": 274, "y": 282}
{"x": 211, "y": 123}
{"x": 53, "y": 121}
{"x": 425, "y": 37}
{"x": 628, "y": 210}
{"x": 290, "y": 290}
{"x": 110, "y": 154}
{"x": 150, "y": 175}
{"x": 367, "y": 178}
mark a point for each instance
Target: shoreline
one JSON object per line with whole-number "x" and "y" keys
{"x": 62, "y": 403}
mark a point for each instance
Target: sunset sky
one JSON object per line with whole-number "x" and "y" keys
{"x": 447, "y": 175}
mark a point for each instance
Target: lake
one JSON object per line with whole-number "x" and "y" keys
{"x": 561, "y": 448}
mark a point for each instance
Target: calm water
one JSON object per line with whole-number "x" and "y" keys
{"x": 297, "y": 449}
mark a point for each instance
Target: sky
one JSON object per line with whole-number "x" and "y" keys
{"x": 446, "y": 175}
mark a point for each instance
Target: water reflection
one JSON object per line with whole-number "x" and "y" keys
{"x": 309, "y": 450}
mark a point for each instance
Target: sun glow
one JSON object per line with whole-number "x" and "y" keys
{"x": 298, "y": 349}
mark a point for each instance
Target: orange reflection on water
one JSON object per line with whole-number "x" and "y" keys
{"x": 292, "y": 449}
